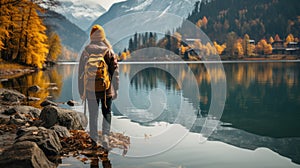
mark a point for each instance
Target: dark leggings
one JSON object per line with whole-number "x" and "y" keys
{"x": 93, "y": 105}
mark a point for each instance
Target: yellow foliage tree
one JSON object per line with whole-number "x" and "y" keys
{"x": 271, "y": 40}
{"x": 123, "y": 56}
{"x": 55, "y": 47}
{"x": 202, "y": 22}
{"x": 289, "y": 38}
{"x": 263, "y": 47}
{"x": 4, "y": 21}
{"x": 23, "y": 37}
{"x": 219, "y": 48}
{"x": 238, "y": 47}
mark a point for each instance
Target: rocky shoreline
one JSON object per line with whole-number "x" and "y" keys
{"x": 6, "y": 74}
{"x": 39, "y": 138}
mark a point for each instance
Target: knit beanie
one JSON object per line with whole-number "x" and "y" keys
{"x": 97, "y": 33}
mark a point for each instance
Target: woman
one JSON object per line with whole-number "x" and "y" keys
{"x": 99, "y": 45}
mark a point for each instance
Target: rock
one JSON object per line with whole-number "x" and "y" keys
{"x": 49, "y": 116}
{"x": 18, "y": 119}
{"x": 10, "y": 111}
{"x": 61, "y": 131}
{"x": 25, "y": 154}
{"x": 3, "y": 108}
{"x": 20, "y": 115}
{"x": 26, "y": 110}
{"x": 71, "y": 103}
{"x": 11, "y": 95}
{"x": 83, "y": 119}
{"x": 47, "y": 103}
{"x": 73, "y": 120}
{"x": 34, "y": 89}
{"x": 4, "y": 120}
{"x": 46, "y": 139}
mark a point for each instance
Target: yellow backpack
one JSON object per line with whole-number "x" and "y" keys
{"x": 96, "y": 75}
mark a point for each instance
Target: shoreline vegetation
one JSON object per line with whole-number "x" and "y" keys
{"x": 42, "y": 137}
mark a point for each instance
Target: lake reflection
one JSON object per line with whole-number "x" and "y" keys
{"x": 261, "y": 110}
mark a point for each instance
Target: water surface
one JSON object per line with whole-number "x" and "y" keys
{"x": 166, "y": 112}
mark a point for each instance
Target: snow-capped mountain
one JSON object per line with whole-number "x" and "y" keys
{"x": 82, "y": 13}
{"x": 177, "y": 7}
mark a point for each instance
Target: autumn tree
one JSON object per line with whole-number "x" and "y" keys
{"x": 33, "y": 43}
{"x": 247, "y": 46}
{"x": 55, "y": 47}
{"x": 230, "y": 43}
{"x": 202, "y": 22}
{"x": 124, "y": 55}
{"x": 4, "y": 22}
{"x": 219, "y": 48}
{"x": 263, "y": 47}
{"x": 277, "y": 38}
{"x": 271, "y": 40}
{"x": 289, "y": 38}
{"x": 22, "y": 32}
{"x": 238, "y": 47}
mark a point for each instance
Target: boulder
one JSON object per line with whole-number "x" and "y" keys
{"x": 61, "y": 131}
{"x": 46, "y": 139}
{"x": 49, "y": 116}
{"x": 20, "y": 115}
{"x": 11, "y": 96}
{"x": 73, "y": 120}
{"x": 26, "y": 110}
{"x": 25, "y": 154}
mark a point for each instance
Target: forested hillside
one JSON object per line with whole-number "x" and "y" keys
{"x": 236, "y": 28}
{"x": 257, "y": 18}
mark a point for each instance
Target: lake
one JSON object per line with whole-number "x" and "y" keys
{"x": 238, "y": 114}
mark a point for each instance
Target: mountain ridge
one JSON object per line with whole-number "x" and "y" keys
{"x": 176, "y": 7}
{"x": 70, "y": 34}
{"x": 79, "y": 12}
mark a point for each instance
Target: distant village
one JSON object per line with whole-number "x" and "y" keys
{"x": 278, "y": 47}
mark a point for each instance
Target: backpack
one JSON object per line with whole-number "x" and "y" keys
{"x": 96, "y": 75}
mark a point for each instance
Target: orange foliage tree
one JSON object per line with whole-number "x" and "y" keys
{"x": 263, "y": 47}
{"x": 219, "y": 48}
{"x": 23, "y": 36}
